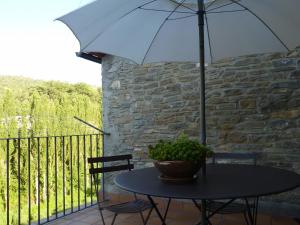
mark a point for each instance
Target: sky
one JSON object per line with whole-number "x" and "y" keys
{"x": 33, "y": 45}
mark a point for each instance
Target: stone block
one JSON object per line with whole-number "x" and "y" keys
{"x": 246, "y": 61}
{"x": 278, "y": 124}
{"x": 287, "y": 84}
{"x": 226, "y": 106}
{"x": 288, "y": 145}
{"x": 285, "y": 91}
{"x": 257, "y": 91}
{"x": 215, "y": 100}
{"x": 284, "y": 62}
{"x": 296, "y": 93}
{"x": 188, "y": 66}
{"x": 151, "y": 85}
{"x": 190, "y": 96}
{"x": 249, "y": 125}
{"x": 236, "y": 137}
{"x": 188, "y": 78}
{"x": 248, "y": 103}
{"x": 257, "y": 72}
{"x": 295, "y": 74}
{"x": 143, "y": 79}
{"x": 177, "y": 126}
{"x": 294, "y": 103}
{"x": 232, "y": 92}
{"x": 258, "y": 117}
{"x": 171, "y": 99}
{"x": 167, "y": 81}
{"x": 244, "y": 85}
{"x": 286, "y": 114}
{"x": 272, "y": 103}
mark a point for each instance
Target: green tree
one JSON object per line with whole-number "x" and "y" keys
{"x": 31, "y": 108}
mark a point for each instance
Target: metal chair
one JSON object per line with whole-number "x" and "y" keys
{"x": 134, "y": 206}
{"x": 233, "y": 207}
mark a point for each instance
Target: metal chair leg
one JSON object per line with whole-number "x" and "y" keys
{"x": 114, "y": 219}
{"x": 142, "y": 217}
{"x": 156, "y": 210}
{"x": 167, "y": 209}
{"x": 197, "y": 205}
{"x": 148, "y": 216}
{"x": 141, "y": 213}
{"x": 102, "y": 217}
{"x": 246, "y": 218}
{"x": 250, "y": 216}
{"x": 256, "y": 210}
{"x": 221, "y": 219}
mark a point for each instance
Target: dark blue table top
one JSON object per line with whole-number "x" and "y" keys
{"x": 223, "y": 181}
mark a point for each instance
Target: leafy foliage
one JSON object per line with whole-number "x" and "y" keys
{"x": 31, "y": 108}
{"x": 182, "y": 148}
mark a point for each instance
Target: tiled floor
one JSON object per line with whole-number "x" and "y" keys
{"x": 181, "y": 213}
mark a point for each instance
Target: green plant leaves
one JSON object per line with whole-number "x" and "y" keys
{"x": 182, "y": 148}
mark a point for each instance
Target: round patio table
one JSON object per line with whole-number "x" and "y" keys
{"x": 222, "y": 181}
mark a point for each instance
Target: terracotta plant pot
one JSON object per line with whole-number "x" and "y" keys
{"x": 178, "y": 170}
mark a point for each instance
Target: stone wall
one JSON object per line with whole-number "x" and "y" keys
{"x": 253, "y": 104}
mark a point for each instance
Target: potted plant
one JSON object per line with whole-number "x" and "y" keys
{"x": 180, "y": 159}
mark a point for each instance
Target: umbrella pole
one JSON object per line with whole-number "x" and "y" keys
{"x": 204, "y": 220}
{"x": 202, "y": 78}
{"x": 202, "y": 71}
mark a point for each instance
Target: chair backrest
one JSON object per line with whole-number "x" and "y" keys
{"x": 104, "y": 169}
{"x": 240, "y": 157}
{"x": 97, "y": 167}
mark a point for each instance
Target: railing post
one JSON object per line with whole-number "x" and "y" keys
{"x": 63, "y": 164}
{"x": 102, "y": 177}
{"x": 78, "y": 173}
{"x": 38, "y": 181}
{"x": 84, "y": 164}
{"x": 91, "y": 155}
{"x": 55, "y": 162}
{"x": 71, "y": 172}
{"x": 29, "y": 182}
{"x": 7, "y": 182}
{"x": 47, "y": 176}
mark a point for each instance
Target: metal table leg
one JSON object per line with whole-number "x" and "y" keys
{"x": 204, "y": 220}
{"x": 156, "y": 210}
{"x": 203, "y": 208}
{"x": 167, "y": 209}
{"x": 252, "y": 214}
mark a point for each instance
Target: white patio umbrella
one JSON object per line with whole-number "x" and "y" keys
{"x": 147, "y": 31}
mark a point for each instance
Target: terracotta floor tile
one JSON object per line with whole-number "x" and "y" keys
{"x": 180, "y": 213}
{"x": 283, "y": 221}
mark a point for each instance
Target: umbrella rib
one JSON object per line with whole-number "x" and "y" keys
{"x": 263, "y": 22}
{"x": 228, "y": 11}
{"x": 231, "y": 3}
{"x": 208, "y": 37}
{"x": 126, "y": 14}
{"x": 179, "y": 4}
{"x": 183, "y": 17}
{"x": 161, "y": 10}
{"x": 184, "y": 6}
{"x": 210, "y": 4}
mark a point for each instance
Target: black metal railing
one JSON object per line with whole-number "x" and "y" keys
{"x": 46, "y": 177}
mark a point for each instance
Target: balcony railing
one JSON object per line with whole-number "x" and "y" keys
{"x": 45, "y": 178}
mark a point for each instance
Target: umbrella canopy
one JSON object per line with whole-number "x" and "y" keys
{"x": 147, "y": 31}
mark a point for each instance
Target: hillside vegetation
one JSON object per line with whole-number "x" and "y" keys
{"x": 46, "y": 107}
{"x": 30, "y": 108}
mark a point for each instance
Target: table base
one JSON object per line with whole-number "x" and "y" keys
{"x": 250, "y": 217}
